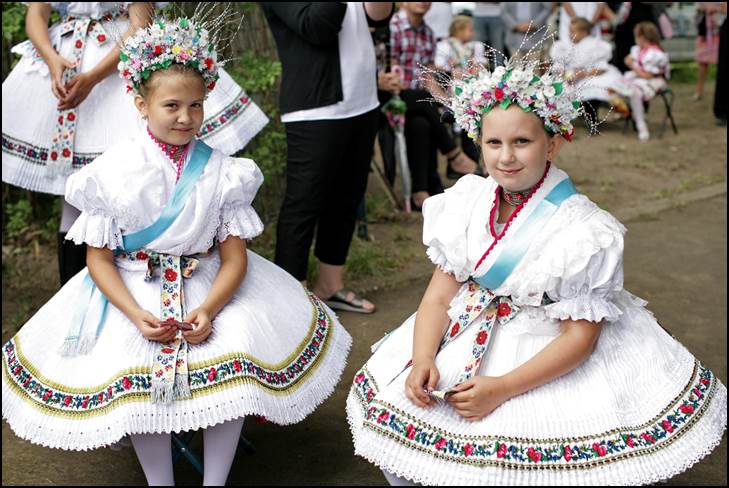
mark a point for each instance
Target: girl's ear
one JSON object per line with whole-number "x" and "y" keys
{"x": 141, "y": 105}
{"x": 555, "y": 144}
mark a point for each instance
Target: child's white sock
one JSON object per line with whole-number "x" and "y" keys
{"x": 220, "y": 444}
{"x": 638, "y": 111}
{"x": 154, "y": 452}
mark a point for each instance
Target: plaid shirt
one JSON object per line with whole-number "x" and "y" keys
{"x": 410, "y": 47}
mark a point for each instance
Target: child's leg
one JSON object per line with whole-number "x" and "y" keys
{"x": 638, "y": 111}
{"x": 154, "y": 452}
{"x": 394, "y": 480}
{"x": 701, "y": 79}
{"x": 220, "y": 443}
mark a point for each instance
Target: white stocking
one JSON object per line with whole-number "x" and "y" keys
{"x": 394, "y": 480}
{"x": 154, "y": 452}
{"x": 638, "y": 111}
{"x": 220, "y": 444}
{"x": 69, "y": 216}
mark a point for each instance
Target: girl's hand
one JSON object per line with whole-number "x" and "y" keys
{"x": 77, "y": 89}
{"x": 423, "y": 375}
{"x": 203, "y": 326}
{"x": 478, "y": 397}
{"x": 56, "y": 66}
{"x": 149, "y": 326}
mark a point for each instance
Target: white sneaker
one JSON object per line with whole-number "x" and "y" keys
{"x": 643, "y": 135}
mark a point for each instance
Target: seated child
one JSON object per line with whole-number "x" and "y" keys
{"x": 199, "y": 331}
{"x": 527, "y": 362}
{"x": 649, "y": 70}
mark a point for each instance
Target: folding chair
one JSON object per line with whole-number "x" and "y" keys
{"x": 181, "y": 443}
{"x": 667, "y": 96}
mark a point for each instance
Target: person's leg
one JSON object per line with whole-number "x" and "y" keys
{"x": 395, "y": 480}
{"x": 721, "y": 101}
{"x": 220, "y": 443}
{"x": 637, "y": 109}
{"x": 71, "y": 256}
{"x": 417, "y": 137}
{"x": 154, "y": 452}
{"x": 312, "y": 147}
{"x": 344, "y": 194}
{"x": 701, "y": 80}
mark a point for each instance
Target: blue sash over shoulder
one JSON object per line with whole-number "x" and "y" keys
{"x": 81, "y": 337}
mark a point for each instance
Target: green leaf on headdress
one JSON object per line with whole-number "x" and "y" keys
{"x": 505, "y": 103}
{"x": 528, "y": 108}
{"x": 161, "y": 24}
{"x": 507, "y": 75}
{"x": 166, "y": 64}
{"x": 535, "y": 79}
{"x": 145, "y": 74}
{"x": 195, "y": 63}
{"x": 576, "y": 104}
{"x": 458, "y": 90}
{"x": 557, "y": 88}
{"x": 210, "y": 47}
{"x": 123, "y": 57}
{"x": 183, "y": 22}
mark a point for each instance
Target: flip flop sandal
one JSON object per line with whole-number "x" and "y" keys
{"x": 339, "y": 301}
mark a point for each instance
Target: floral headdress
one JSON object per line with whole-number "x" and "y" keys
{"x": 523, "y": 81}
{"x": 164, "y": 43}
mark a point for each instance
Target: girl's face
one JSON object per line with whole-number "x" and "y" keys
{"x": 466, "y": 33}
{"x": 577, "y": 34}
{"x": 640, "y": 40}
{"x": 173, "y": 106}
{"x": 516, "y": 147}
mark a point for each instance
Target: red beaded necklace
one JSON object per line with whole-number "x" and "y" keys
{"x": 175, "y": 153}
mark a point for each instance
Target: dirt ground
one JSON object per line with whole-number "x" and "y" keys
{"x": 675, "y": 259}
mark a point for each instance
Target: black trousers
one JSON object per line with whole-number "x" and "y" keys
{"x": 721, "y": 101}
{"x": 326, "y": 177}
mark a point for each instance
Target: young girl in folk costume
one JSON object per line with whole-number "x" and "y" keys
{"x": 585, "y": 60}
{"x": 199, "y": 332}
{"x": 527, "y": 363}
{"x": 455, "y": 52}
{"x": 64, "y": 103}
{"x": 649, "y": 70}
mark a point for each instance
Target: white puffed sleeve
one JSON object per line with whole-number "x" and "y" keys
{"x": 592, "y": 272}
{"x": 655, "y": 61}
{"x": 98, "y": 225}
{"x": 241, "y": 179}
{"x": 445, "y": 223}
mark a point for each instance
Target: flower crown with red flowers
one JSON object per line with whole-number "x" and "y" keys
{"x": 163, "y": 44}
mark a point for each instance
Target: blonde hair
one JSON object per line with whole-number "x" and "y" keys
{"x": 581, "y": 24}
{"x": 649, "y": 31}
{"x": 459, "y": 23}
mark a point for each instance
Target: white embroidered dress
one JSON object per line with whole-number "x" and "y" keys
{"x": 640, "y": 409}
{"x": 29, "y": 114}
{"x": 275, "y": 349}
{"x": 589, "y": 53}
{"x": 653, "y": 60}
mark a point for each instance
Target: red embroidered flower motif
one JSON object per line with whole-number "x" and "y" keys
{"x": 648, "y": 437}
{"x": 629, "y": 441}
{"x": 441, "y": 444}
{"x": 66, "y": 152}
{"x": 698, "y": 392}
{"x": 237, "y": 366}
{"x": 126, "y": 383}
{"x": 60, "y": 119}
{"x": 101, "y": 396}
{"x": 211, "y": 85}
{"x": 359, "y": 378}
{"x": 54, "y": 155}
{"x": 504, "y": 310}
{"x": 411, "y": 431}
{"x": 599, "y": 449}
{"x": 101, "y": 37}
{"x": 535, "y": 456}
{"x": 498, "y": 94}
{"x": 501, "y": 451}
{"x": 468, "y": 450}
{"x": 71, "y": 116}
{"x": 481, "y": 338}
{"x": 384, "y": 417}
{"x": 170, "y": 274}
{"x": 79, "y": 44}
{"x": 168, "y": 350}
{"x": 704, "y": 381}
{"x": 212, "y": 374}
{"x": 141, "y": 255}
{"x": 455, "y": 329}
{"x": 667, "y": 426}
{"x": 48, "y": 395}
{"x": 686, "y": 408}
{"x": 567, "y": 453}
{"x": 67, "y": 400}
{"x": 85, "y": 402}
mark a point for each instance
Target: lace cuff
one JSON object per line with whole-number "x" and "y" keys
{"x": 97, "y": 230}
{"x": 239, "y": 220}
{"x": 591, "y": 307}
